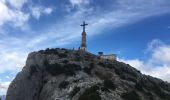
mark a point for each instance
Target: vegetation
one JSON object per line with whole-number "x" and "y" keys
{"x": 139, "y": 86}
{"x": 155, "y": 87}
{"x": 101, "y": 64}
{"x": 105, "y": 76}
{"x": 150, "y": 96}
{"x": 105, "y": 89}
{"x": 63, "y": 84}
{"x": 65, "y": 61}
{"x": 109, "y": 66}
{"x": 33, "y": 70}
{"x": 50, "y": 51}
{"x": 55, "y": 69}
{"x": 130, "y": 96}
{"x": 88, "y": 70}
{"x": 74, "y": 92}
{"x": 68, "y": 69}
{"x": 66, "y": 51}
{"x": 122, "y": 70}
{"x": 91, "y": 94}
{"x": 109, "y": 84}
{"x": 62, "y": 55}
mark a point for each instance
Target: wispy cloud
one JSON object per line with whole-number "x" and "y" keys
{"x": 67, "y": 30}
{"x": 3, "y": 87}
{"x": 17, "y": 4}
{"x": 79, "y": 2}
{"x": 38, "y": 11}
{"x": 12, "y": 13}
{"x": 158, "y": 64}
{"x": 14, "y": 49}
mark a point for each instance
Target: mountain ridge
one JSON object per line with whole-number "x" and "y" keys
{"x": 62, "y": 74}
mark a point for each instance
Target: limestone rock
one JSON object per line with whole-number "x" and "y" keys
{"x": 61, "y": 74}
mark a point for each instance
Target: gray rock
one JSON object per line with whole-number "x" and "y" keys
{"x": 60, "y": 74}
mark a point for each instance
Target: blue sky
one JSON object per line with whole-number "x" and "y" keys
{"x": 137, "y": 31}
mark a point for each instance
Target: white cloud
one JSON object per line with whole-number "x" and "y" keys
{"x": 38, "y": 11}
{"x": 48, "y": 10}
{"x": 16, "y": 17}
{"x": 11, "y": 13}
{"x": 11, "y": 61}
{"x": 138, "y": 64}
{"x": 7, "y": 77}
{"x": 122, "y": 12}
{"x": 18, "y": 4}
{"x": 4, "y": 12}
{"x": 162, "y": 54}
{"x": 3, "y": 87}
{"x": 79, "y": 2}
{"x": 68, "y": 30}
{"x": 158, "y": 64}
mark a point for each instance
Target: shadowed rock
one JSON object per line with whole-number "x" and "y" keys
{"x": 61, "y": 74}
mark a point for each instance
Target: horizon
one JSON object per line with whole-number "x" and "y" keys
{"x": 138, "y": 32}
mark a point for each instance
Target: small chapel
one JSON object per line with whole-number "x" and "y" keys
{"x": 83, "y": 46}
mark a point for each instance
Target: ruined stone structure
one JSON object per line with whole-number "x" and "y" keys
{"x": 83, "y": 41}
{"x": 111, "y": 57}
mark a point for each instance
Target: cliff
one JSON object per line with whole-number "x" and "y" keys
{"x": 61, "y": 74}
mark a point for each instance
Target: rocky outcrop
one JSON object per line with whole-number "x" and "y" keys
{"x": 60, "y": 74}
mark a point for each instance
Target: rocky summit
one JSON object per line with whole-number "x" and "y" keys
{"x": 61, "y": 74}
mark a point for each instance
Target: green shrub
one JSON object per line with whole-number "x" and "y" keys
{"x": 130, "y": 96}
{"x": 55, "y": 69}
{"x": 159, "y": 92}
{"x": 50, "y": 51}
{"x": 91, "y": 94}
{"x": 105, "y": 89}
{"x": 62, "y": 55}
{"x": 33, "y": 70}
{"x": 66, "y": 52}
{"x": 109, "y": 84}
{"x": 151, "y": 85}
{"x": 63, "y": 84}
{"x": 101, "y": 64}
{"x": 139, "y": 86}
{"x": 68, "y": 69}
{"x": 74, "y": 92}
{"x": 88, "y": 70}
{"x": 65, "y": 61}
{"x": 150, "y": 96}
{"x": 63, "y": 49}
{"x": 109, "y": 66}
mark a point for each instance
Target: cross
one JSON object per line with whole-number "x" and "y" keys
{"x": 84, "y": 26}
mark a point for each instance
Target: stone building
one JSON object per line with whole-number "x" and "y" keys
{"x": 111, "y": 57}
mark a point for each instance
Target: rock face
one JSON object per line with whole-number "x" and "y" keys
{"x": 60, "y": 74}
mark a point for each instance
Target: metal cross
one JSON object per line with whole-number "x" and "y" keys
{"x": 84, "y": 26}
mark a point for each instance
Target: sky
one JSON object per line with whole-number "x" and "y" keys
{"x": 138, "y": 31}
